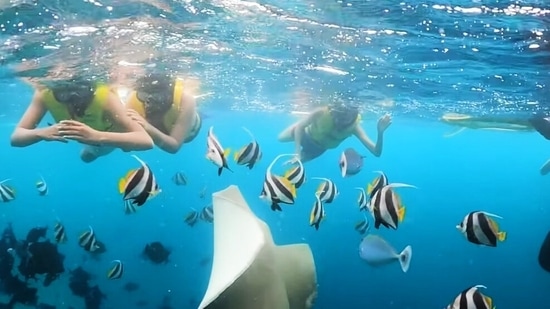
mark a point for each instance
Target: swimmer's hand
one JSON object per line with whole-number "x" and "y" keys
{"x": 51, "y": 133}
{"x": 80, "y": 132}
{"x": 137, "y": 117}
{"x": 383, "y": 123}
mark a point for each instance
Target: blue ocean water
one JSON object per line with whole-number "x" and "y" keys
{"x": 253, "y": 59}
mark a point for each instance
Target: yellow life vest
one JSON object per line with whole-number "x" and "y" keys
{"x": 93, "y": 115}
{"x": 171, "y": 116}
{"x": 323, "y": 132}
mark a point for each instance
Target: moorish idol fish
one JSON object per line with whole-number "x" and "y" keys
{"x": 362, "y": 200}
{"x": 179, "y": 179}
{"x": 276, "y": 189}
{"x": 7, "y": 193}
{"x": 327, "y": 190}
{"x": 250, "y": 154}
{"x": 362, "y": 226}
{"x": 215, "y": 152}
{"x": 191, "y": 218}
{"x": 472, "y": 298}
{"x": 139, "y": 184}
{"x": 317, "y": 213}
{"x": 296, "y": 175}
{"x": 207, "y": 214}
{"x": 59, "y": 232}
{"x": 377, "y": 184}
{"x": 42, "y": 186}
{"x": 386, "y": 206}
{"x": 116, "y": 271}
{"x": 479, "y": 228}
{"x": 88, "y": 241}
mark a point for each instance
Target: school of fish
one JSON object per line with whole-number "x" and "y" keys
{"x": 378, "y": 202}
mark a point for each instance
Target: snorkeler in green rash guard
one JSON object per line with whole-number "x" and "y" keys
{"x": 327, "y": 127}
{"x": 537, "y": 123}
{"x": 85, "y": 111}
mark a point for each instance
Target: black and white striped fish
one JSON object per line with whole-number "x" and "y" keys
{"x": 42, "y": 186}
{"x": 327, "y": 190}
{"x": 88, "y": 241}
{"x": 479, "y": 228}
{"x": 362, "y": 200}
{"x": 276, "y": 189}
{"x": 362, "y": 226}
{"x": 317, "y": 213}
{"x": 297, "y": 174}
{"x": 207, "y": 214}
{"x": 179, "y": 179}
{"x": 215, "y": 152}
{"x": 377, "y": 184}
{"x": 472, "y": 298}
{"x": 139, "y": 184}
{"x": 192, "y": 217}
{"x": 116, "y": 271}
{"x": 59, "y": 232}
{"x": 250, "y": 154}
{"x": 386, "y": 206}
{"x": 7, "y": 193}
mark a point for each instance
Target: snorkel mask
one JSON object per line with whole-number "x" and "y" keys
{"x": 79, "y": 94}
{"x": 156, "y": 93}
{"x": 343, "y": 115}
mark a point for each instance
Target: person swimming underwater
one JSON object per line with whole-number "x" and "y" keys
{"x": 161, "y": 106}
{"x": 539, "y": 123}
{"x": 85, "y": 111}
{"x": 327, "y": 127}
{"x": 542, "y": 125}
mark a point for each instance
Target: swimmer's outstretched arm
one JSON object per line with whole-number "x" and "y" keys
{"x": 26, "y": 132}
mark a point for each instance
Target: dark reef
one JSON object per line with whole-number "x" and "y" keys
{"x": 38, "y": 257}
{"x": 156, "y": 252}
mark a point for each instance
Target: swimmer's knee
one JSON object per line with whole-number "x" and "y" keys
{"x": 87, "y": 156}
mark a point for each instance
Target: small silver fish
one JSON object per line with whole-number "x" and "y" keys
{"x": 207, "y": 214}
{"x": 116, "y": 271}
{"x": 42, "y": 186}
{"x": 191, "y": 218}
{"x": 179, "y": 179}
{"x": 351, "y": 162}
{"x": 362, "y": 226}
{"x": 7, "y": 193}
